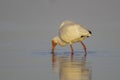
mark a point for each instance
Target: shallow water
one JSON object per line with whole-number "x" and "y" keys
{"x": 42, "y": 65}
{"x": 26, "y": 30}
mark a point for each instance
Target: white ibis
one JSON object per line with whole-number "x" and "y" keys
{"x": 69, "y": 33}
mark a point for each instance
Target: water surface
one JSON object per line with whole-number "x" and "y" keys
{"x": 42, "y": 65}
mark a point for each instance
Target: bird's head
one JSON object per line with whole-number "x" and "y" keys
{"x": 56, "y": 40}
{"x": 54, "y": 43}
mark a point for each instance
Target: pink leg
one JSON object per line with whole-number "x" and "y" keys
{"x": 72, "y": 50}
{"x": 84, "y": 47}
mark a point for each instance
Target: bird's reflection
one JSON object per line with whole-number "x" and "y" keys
{"x": 71, "y": 67}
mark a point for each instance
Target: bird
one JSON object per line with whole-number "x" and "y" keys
{"x": 69, "y": 33}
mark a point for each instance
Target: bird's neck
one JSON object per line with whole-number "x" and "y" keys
{"x": 61, "y": 42}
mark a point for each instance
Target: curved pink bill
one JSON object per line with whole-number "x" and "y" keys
{"x": 53, "y": 45}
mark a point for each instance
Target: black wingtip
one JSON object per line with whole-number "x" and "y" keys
{"x": 89, "y": 31}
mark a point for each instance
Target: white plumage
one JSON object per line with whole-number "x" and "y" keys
{"x": 69, "y": 33}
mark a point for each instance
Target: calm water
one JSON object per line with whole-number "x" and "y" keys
{"x": 26, "y": 30}
{"x": 42, "y": 65}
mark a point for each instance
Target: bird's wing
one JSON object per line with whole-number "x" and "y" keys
{"x": 69, "y": 33}
{"x": 72, "y": 32}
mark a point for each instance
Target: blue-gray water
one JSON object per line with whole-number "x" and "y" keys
{"x": 42, "y": 65}
{"x": 26, "y": 30}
